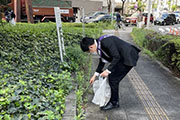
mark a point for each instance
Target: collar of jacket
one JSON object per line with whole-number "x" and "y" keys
{"x": 101, "y": 52}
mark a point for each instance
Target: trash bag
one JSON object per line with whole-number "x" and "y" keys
{"x": 102, "y": 92}
{"x": 12, "y": 21}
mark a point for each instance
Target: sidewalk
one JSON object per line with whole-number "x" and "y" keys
{"x": 163, "y": 92}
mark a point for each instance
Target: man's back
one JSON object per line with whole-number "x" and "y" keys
{"x": 128, "y": 52}
{"x": 118, "y": 17}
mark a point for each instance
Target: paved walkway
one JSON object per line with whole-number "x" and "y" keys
{"x": 148, "y": 92}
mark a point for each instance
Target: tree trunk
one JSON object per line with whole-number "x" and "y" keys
{"x": 123, "y": 7}
{"x": 17, "y": 10}
{"x": 109, "y": 5}
{"x": 29, "y": 11}
{"x": 3, "y": 5}
{"x": 176, "y": 2}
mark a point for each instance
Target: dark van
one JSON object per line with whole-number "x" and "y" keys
{"x": 165, "y": 19}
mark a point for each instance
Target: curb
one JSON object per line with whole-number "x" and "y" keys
{"x": 70, "y": 103}
{"x": 164, "y": 67}
{"x": 167, "y": 69}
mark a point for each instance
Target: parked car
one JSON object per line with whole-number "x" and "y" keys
{"x": 173, "y": 17}
{"x": 145, "y": 15}
{"x": 101, "y": 18}
{"x": 165, "y": 19}
{"x": 177, "y": 14}
{"x": 93, "y": 15}
{"x": 131, "y": 20}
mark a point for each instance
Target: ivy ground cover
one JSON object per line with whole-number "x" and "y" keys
{"x": 33, "y": 81}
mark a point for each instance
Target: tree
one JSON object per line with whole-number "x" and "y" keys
{"x": 174, "y": 7}
{"x": 3, "y": 6}
{"x": 131, "y": 7}
{"x": 3, "y": 2}
{"x": 176, "y": 2}
{"x": 154, "y": 5}
{"x": 141, "y": 5}
{"x": 123, "y": 1}
{"x": 109, "y": 2}
{"x": 169, "y": 4}
{"x": 29, "y": 11}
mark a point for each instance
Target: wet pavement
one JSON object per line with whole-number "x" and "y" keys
{"x": 155, "y": 95}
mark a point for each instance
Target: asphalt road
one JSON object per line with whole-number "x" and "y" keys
{"x": 167, "y": 29}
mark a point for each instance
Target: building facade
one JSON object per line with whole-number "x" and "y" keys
{"x": 87, "y": 5}
{"x": 116, "y": 5}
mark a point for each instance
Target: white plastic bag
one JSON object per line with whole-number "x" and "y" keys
{"x": 102, "y": 92}
{"x": 12, "y": 21}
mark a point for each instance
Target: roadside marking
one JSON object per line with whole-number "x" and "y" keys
{"x": 152, "y": 107}
{"x": 168, "y": 29}
{"x": 162, "y": 30}
{"x": 175, "y": 29}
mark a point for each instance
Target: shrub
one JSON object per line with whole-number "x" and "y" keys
{"x": 166, "y": 48}
{"x": 170, "y": 54}
{"x": 139, "y": 36}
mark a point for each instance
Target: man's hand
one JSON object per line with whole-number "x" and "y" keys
{"x": 104, "y": 73}
{"x": 92, "y": 79}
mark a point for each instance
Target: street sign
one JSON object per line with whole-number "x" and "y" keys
{"x": 64, "y": 11}
{"x": 59, "y": 31}
{"x": 58, "y": 17}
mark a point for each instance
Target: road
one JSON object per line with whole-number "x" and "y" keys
{"x": 168, "y": 29}
{"x": 148, "y": 92}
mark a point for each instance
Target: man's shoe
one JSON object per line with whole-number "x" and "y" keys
{"x": 110, "y": 106}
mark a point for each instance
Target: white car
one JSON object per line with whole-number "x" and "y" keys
{"x": 93, "y": 15}
{"x": 101, "y": 18}
{"x": 93, "y": 19}
{"x": 177, "y": 14}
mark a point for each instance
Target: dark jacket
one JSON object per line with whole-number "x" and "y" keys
{"x": 116, "y": 51}
{"x": 118, "y": 17}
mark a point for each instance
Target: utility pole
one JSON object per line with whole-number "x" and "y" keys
{"x": 29, "y": 11}
{"x": 83, "y": 26}
{"x": 123, "y": 2}
{"x": 17, "y": 10}
{"x": 112, "y": 11}
{"x": 158, "y": 6}
{"x": 149, "y": 10}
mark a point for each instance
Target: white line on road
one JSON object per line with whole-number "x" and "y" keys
{"x": 168, "y": 29}
{"x": 175, "y": 29}
{"x": 161, "y": 30}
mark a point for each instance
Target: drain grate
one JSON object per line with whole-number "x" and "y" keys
{"x": 151, "y": 106}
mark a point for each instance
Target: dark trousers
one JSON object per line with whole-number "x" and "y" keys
{"x": 115, "y": 77}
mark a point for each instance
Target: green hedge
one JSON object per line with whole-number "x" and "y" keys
{"x": 33, "y": 81}
{"x": 164, "y": 47}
